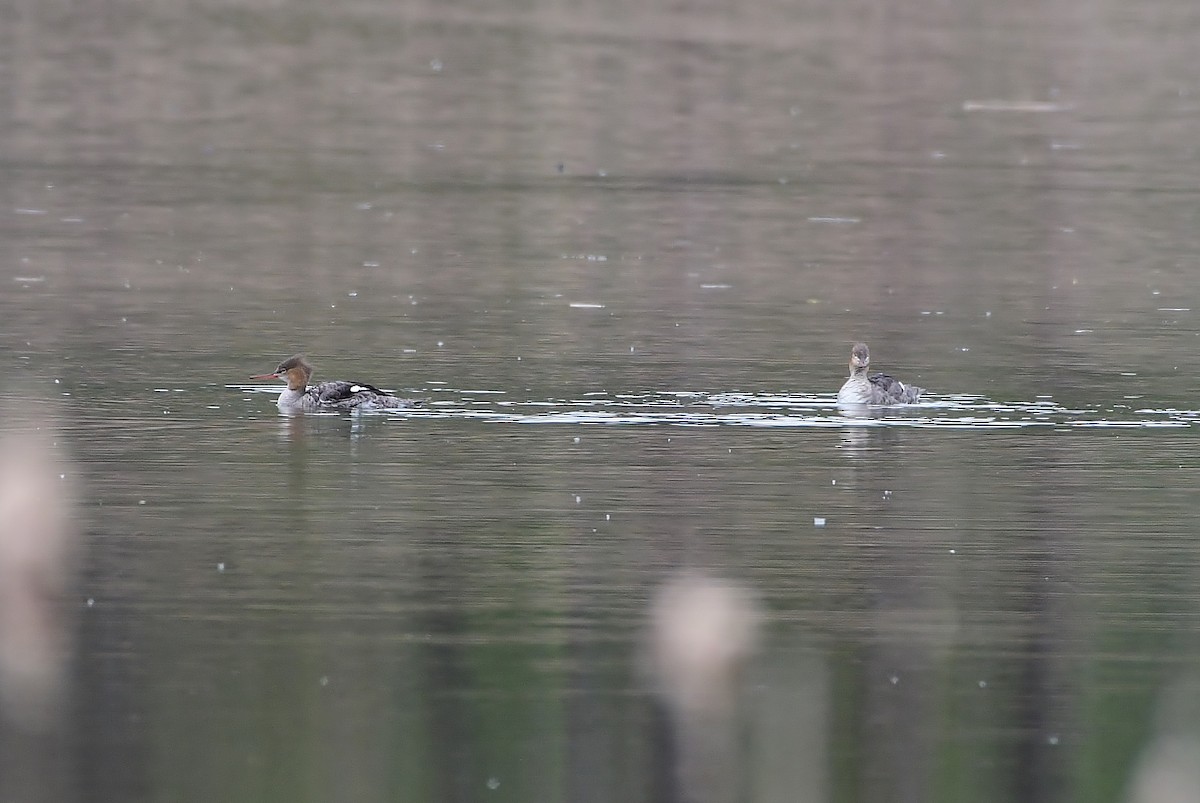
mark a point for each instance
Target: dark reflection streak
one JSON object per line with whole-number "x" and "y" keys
{"x": 664, "y": 755}
{"x": 1036, "y": 697}
{"x": 1042, "y": 690}
{"x": 111, "y": 737}
{"x": 454, "y": 773}
{"x": 897, "y": 713}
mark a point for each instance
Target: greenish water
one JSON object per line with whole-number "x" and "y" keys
{"x": 622, "y": 253}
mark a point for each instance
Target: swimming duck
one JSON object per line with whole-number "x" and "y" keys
{"x": 878, "y": 389}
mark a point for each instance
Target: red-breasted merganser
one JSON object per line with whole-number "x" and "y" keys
{"x": 336, "y": 395}
{"x": 878, "y": 389}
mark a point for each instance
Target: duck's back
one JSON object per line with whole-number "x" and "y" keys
{"x": 343, "y": 395}
{"x": 889, "y": 390}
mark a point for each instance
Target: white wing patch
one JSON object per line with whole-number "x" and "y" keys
{"x": 357, "y": 388}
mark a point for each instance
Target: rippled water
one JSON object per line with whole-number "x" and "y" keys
{"x": 699, "y": 409}
{"x": 628, "y": 547}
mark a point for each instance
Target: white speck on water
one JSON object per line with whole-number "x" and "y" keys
{"x": 221, "y": 566}
{"x": 582, "y": 305}
{"x": 1130, "y": 373}
{"x": 953, "y": 552}
{"x": 937, "y": 155}
{"x": 435, "y": 65}
{"x": 578, "y": 499}
{"x": 602, "y": 173}
{"x": 370, "y": 264}
{"x": 91, "y": 602}
{"x": 1174, "y": 309}
{"x": 30, "y": 211}
{"x": 631, "y": 348}
{"x": 1052, "y": 739}
{"x": 983, "y": 684}
{"x": 987, "y": 314}
{"x": 62, "y": 476}
{"x": 895, "y": 679}
{"x": 56, "y": 382}
{"x": 1155, "y": 292}
{"x": 141, "y": 501}
{"x": 440, "y": 343}
{"x": 352, "y": 295}
{"x": 608, "y": 517}
{"x": 363, "y": 207}
{"x": 29, "y": 279}
{"x": 493, "y": 783}
{"x": 576, "y": 439}
{"x": 818, "y": 521}
{"x": 716, "y": 286}
{"x": 324, "y": 680}
{"x": 821, "y": 219}
{"x": 833, "y": 482}
{"x": 964, "y": 349}
{"x": 1083, "y": 331}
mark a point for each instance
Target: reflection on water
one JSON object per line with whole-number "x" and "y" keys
{"x": 703, "y": 633}
{"x": 38, "y": 592}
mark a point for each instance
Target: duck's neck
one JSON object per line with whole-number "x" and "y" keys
{"x": 290, "y": 397}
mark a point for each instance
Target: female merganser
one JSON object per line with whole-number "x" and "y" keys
{"x": 336, "y": 395}
{"x": 879, "y": 389}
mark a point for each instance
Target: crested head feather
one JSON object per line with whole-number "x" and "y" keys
{"x": 295, "y": 361}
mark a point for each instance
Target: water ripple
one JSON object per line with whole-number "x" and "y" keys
{"x": 701, "y": 409}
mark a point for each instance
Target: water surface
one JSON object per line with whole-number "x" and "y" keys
{"x": 621, "y": 252}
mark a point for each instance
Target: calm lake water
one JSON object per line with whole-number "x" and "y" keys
{"x": 621, "y": 251}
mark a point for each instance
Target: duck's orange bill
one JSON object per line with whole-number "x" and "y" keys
{"x": 265, "y": 376}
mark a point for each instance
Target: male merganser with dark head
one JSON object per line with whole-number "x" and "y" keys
{"x": 336, "y": 395}
{"x": 879, "y": 389}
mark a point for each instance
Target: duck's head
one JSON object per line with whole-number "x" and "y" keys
{"x": 294, "y": 370}
{"x": 860, "y": 358}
